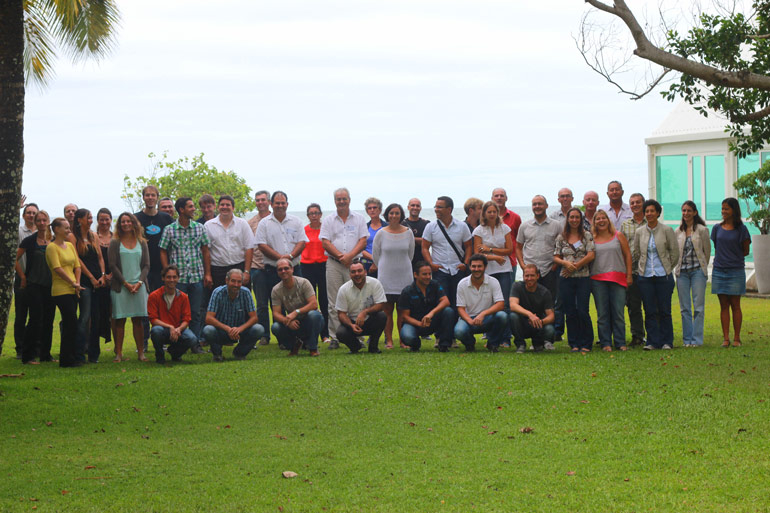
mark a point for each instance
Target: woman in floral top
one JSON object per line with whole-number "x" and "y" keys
{"x": 574, "y": 251}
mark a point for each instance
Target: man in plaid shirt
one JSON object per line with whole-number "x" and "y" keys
{"x": 185, "y": 244}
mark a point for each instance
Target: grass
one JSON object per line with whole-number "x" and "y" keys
{"x": 685, "y": 430}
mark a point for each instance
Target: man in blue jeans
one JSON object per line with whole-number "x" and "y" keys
{"x": 423, "y": 309}
{"x": 169, "y": 312}
{"x": 232, "y": 319}
{"x": 296, "y": 319}
{"x": 480, "y": 307}
{"x": 532, "y": 312}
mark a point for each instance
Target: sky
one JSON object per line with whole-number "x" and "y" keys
{"x": 393, "y": 99}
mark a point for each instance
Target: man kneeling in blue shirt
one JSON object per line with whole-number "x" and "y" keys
{"x": 423, "y": 309}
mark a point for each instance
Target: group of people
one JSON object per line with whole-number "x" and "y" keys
{"x": 188, "y": 283}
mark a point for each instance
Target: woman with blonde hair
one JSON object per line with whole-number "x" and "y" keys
{"x": 129, "y": 260}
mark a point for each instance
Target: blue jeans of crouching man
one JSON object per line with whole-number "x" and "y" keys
{"x": 493, "y": 325}
{"x": 442, "y": 325}
{"x": 309, "y": 329}
{"x": 523, "y": 330}
{"x": 217, "y": 338}
{"x": 161, "y": 336}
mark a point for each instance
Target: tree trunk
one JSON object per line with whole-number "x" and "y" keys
{"x": 11, "y": 145}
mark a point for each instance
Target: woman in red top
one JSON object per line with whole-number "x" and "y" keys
{"x": 313, "y": 264}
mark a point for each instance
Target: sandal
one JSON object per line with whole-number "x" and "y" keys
{"x": 575, "y": 350}
{"x": 142, "y": 358}
{"x": 118, "y": 358}
{"x": 726, "y": 344}
{"x": 607, "y": 348}
{"x": 737, "y": 343}
{"x": 623, "y": 348}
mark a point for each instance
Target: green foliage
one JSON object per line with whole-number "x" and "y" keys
{"x": 188, "y": 177}
{"x": 755, "y": 189}
{"x": 729, "y": 43}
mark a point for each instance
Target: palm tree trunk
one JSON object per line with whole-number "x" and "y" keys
{"x": 11, "y": 144}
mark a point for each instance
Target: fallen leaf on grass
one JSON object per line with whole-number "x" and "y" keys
{"x": 33, "y": 499}
{"x": 527, "y": 430}
{"x": 119, "y": 385}
{"x": 137, "y": 410}
{"x": 65, "y": 492}
{"x": 742, "y": 430}
{"x": 499, "y": 407}
{"x": 492, "y": 432}
{"x": 288, "y": 474}
{"x": 90, "y": 467}
{"x": 411, "y": 424}
{"x": 49, "y": 423}
{"x": 430, "y": 429}
{"x": 571, "y": 473}
{"x": 585, "y": 401}
{"x": 593, "y": 374}
{"x": 280, "y": 437}
{"x": 11, "y": 375}
{"x": 626, "y": 480}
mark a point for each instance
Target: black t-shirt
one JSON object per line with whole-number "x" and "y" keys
{"x": 37, "y": 270}
{"x": 417, "y": 228}
{"x": 153, "y": 229}
{"x": 536, "y": 302}
{"x": 419, "y": 306}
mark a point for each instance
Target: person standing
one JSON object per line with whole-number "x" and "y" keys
{"x": 232, "y": 318}
{"x": 35, "y": 281}
{"x": 166, "y": 205}
{"x": 91, "y": 280}
{"x": 69, "y": 214}
{"x": 574, "y": 252}
{"x": 617, "y": 211}
{"x": 296, "y": 319}
{"x": 423, "y": 309}
{"x": 153, "y": 221}
{"x": 565, "y": 200}
{"x": 392, "y": 252}
{"x": 231, "y": 243}
{"x": 658, "y": 255}
{"x": 129, "y": 264}
{"x": 610, "y": 275}
{"x": 343, "y": 235}
{"x": 447, "y": 247}
{"x": 184, "y": 243}
{"x": 417, "y": 224}
{"x": 258, "y": 273}
{"x": 360, "y": 305}
{"x": 480, "y": 307}
{"x": 104, "y": 237}
{"x": 692, "y": 236}
{"x": 510, "y": 219}
{"x": 728, "y": 278}
{"x": 590, "y": 203}
{"x": 472, "y": 208}
{"x": 20, "y": 300}
{"x": 534, "y": 245}
{"x": 313, "y": 265}
{"x": 633, "y": 296}
{"x": 373, "y": 208}
{"x": 64, "y": 264}
{"x": 208, "y": 207}
{"x": 169, "y": 311}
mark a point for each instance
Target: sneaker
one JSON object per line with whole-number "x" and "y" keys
{"x": 666, "y": 346}
{"x": 326, "y": 340}
{"x": 197, "y": 349}
{"x": 636, "y": 341}
{"x": 219, "y": 358}
{"x": 549, "y": 346}
{"x": 435, "y": 345}
{"x": 455, "y": 345}
{"x": 334, "y": 344}
{"x": 521, "y": 349}
{"x": 443, "y": 349}
{"x": 264, "y": 341}
{"x": 648, "y": 347}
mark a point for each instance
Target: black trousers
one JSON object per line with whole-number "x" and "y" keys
{"x": 68, "y": 309}
{"x": 316, "y": 274}
{"x": 38, "y": 333}
{"x": 373, "y": 328}
{"x": 21, "y": 307}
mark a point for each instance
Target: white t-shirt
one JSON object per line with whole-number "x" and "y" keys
{"x": 353, "y": 301}
{"x": 281, "y": 236}
{"x": 476, "y": 300}
{"x": 494, "y": 240}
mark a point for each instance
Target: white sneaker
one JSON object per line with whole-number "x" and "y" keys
{"x": 648, "y": 347}
{"x": 666, "y": 346}
{"x": 549, "y": 346}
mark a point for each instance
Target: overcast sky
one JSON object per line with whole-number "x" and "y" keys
{"x": 395, "y": 99}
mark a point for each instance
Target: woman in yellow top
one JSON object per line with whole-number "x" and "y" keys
{"x": 65, "y": 288}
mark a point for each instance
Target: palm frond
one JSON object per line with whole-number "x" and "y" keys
{"x": 39, "y": 48}
{"x": 85, "y": 28}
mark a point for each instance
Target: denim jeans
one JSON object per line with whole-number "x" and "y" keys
{"x": 610, "y": 301}
{"x": 522, "y": 330}
{"x": 576, "y": 296}
{"x": 262, "y": 295}
{"x": 309, "y": 329}
{"x": 551, "y": 282}
{"x": 271, "y": 279}
{"x": 656, "y": 298}
{"x": 634, "y": 305}
{"x": 161, "y": 336}
{"x": 316, "y": 274}
{"x": 194, "y": 293}
{"x": 691, "y": 286}
{"x": 493, "y": 325}
{"x": 217, "y": 338}
{"x": 442, "y": 325}
{"x": 506, "y": 282}
{"x": 449, "y": 283}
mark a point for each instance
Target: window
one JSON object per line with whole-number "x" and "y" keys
{"x": 672, "y": 184}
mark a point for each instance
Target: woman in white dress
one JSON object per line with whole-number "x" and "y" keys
{"x": 392, "y": 252}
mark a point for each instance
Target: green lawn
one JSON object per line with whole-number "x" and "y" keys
{"x": 684, "y": 430}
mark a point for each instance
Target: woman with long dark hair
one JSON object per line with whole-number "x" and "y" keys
{"x": 728, "y": 278}
{"x": 104, "y": 237}
{"x": 129, "y": 263}
{"x": 574, "y": 251}
{"x": 692, "y": 272}
{"x": 36, "y": 279}
{"x": 91, "y": 279}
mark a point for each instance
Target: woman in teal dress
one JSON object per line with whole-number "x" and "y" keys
{"x": 129, "y": 264}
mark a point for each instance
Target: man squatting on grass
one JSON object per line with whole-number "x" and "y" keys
{"x": 303, "y": 322}
{"x": 169, "y": 311}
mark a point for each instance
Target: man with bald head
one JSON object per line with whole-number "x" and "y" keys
{"x": 535, "y": 244}
{"x": 565, "y": 200}
{"x": 417, "y": 224}
{"x": 617, "y": 211}
{"x": 513, "y": 221}
{"x": 591, "y": 203}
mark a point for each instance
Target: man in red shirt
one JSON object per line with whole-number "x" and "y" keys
{"x": 169, "y": 313}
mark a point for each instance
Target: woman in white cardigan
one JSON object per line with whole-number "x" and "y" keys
{"x": 692, "y": 273}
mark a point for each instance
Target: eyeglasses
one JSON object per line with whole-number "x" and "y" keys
{"x": 372, "y": 207}
{"x": 313, "y": 213}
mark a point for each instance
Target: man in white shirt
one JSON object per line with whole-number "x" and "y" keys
{"x": 448, "y": 260}
{"x": 565, "y": 200}
{"x": 343, "y": 236}
{"x": 231, "y": 243}
{"x": 480, "y": 307}
{"x": 280, "y": 235}
{"x": 361, "y": 309}
{"x": 617, "y": 211}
